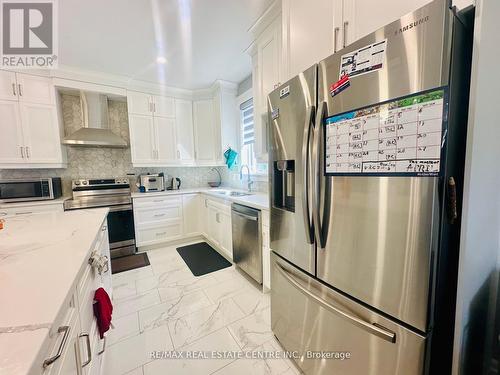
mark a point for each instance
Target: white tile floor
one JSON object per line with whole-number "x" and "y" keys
{"x": 164, "y": 307}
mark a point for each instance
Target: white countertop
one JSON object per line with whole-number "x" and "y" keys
{"x": 40, "y": 258}
{"x": 33, "y": 203}
{"x": 256, "y": 199}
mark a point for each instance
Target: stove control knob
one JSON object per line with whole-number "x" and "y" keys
{"x": 77, "y": 183}
{"x": 84, "y": 182}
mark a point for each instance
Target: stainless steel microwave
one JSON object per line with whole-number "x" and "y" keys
{"x": 34, "y": 189}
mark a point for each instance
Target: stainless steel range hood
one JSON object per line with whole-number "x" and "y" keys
{"x": 95, "y": 131}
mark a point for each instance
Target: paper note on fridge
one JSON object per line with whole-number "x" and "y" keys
{"x": 364, "y": 60}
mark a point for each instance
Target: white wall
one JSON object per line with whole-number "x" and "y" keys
{"x": 481, "y": 207}
{"x": 460, "y": 4}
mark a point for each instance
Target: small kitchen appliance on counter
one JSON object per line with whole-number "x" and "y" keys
{"x": 152, "y": 182}
{"x": 174, "y": 183}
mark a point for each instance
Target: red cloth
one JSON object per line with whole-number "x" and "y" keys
{"x": 103, "y": 309}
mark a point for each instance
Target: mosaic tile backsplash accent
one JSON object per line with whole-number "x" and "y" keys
{"x": 93, "y": 162}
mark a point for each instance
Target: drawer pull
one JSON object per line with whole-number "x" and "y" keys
{"x": 159, "y": 215}
{"x": 51, "y": 360}
{"x": 161, "y": 233}
{"x": 103, "y": 346}
{"x": 89, "y": 349}
{"x": 24, "y": 213}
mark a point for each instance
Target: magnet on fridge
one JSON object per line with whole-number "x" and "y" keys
{"x": 339, "y": 86}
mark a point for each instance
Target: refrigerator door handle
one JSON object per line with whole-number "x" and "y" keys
{"x": 320, "y": 114}
{"x": 306, "y": 161}
{"x": 373, "y": 328}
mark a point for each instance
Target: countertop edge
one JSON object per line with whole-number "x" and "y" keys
{"x": 210, "y": 193}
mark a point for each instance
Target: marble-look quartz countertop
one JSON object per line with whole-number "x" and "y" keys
{"x": 255, "y": 199}
{"x": 40, "y": 258}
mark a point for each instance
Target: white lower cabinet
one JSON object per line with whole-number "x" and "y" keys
{"x": 219, "y": 231}
{"x": 191, "y": 207}
{"x": 75, "y": 347}
{"x": 167, "y": 218}
{"x": 158, "y": 219}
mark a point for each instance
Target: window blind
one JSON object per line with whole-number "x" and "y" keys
{"x": 247, "y": 125}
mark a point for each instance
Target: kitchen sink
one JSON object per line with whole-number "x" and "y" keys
{"x": 238, "y": 194}
{"x": 232, "y": 193}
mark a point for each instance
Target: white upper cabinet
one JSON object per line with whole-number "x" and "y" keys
{"x": 269, "y": 56}
{"x": 361, "y": 17}
{"x": 31, "y": 131}
{"x": 166, "y": 131}
{"x": 8, "y": 85}
{"x": 267, "y": 74}
{"x": 34, "y": 89}
{"x": 139, "y": 103}
{"x": 11, "y": 139}
{"x": 165, "y": 141}
{"x": 206, "y": 140}
{"x": 305, "y": 42}
{"x": 41, "y": 133}
{"x": 163, "y": 106}
{"x": 184, "y": 131}
{"x": 142, "y": 139}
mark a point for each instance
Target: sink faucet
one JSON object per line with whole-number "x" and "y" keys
{"x": 249, "y": 180}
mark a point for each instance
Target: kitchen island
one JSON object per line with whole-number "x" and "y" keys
{"x": 44, "y": 275}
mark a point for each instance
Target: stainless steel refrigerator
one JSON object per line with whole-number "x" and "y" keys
{"x": 366, "y": 167}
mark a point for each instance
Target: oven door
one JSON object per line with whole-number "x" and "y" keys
{"x": 121, "y": 230}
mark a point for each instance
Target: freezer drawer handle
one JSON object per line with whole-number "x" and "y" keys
{"x": 374, "y": 329}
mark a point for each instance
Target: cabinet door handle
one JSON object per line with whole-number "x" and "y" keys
{"x": 27, "y": 152}
{"x": 22, "y": 151}
{"x": 335, "y": 38}
{"x": 19, "y": 87}
{"x": 103, "y": 346}
{"x": 14, "y": 89}
{"x": 161, "y": 233}
{"x": 178, "y": 154}
{"x": 89, "y": 349}
{"x": 24, "y": 213}
{"x": 51, "y": 360}
{"x": 104, "y": 228}
{"x": 346, "y": 24}
{"x": 159, "y": 215}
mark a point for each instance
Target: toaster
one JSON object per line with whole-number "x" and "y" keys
{"x": 152, "y": 182}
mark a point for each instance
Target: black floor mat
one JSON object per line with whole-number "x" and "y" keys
{"x": 129, "y": 262}
{"x": 201, "y": 258}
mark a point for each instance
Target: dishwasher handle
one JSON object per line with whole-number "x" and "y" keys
{"x": 248, "y": 217}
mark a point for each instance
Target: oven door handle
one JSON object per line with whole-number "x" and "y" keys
{"x": 123, "y": 207}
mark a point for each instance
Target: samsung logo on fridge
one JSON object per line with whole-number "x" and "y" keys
{"x": 411, "y": 25}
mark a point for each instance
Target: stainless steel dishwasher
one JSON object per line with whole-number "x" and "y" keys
{"x": 247, "y": 240}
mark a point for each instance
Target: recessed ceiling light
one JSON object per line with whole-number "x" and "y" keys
{"x": 161, "y": 60}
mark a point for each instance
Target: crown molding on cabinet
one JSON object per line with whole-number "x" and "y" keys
{"x": 76, "y": 78}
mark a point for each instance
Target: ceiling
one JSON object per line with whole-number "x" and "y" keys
{"x": 202, "y": 40}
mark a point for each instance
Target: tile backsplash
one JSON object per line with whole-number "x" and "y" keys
{"x": 95, "y": 162}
